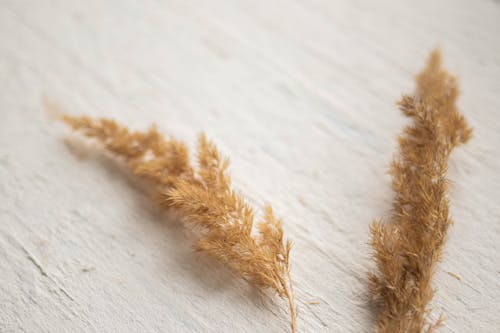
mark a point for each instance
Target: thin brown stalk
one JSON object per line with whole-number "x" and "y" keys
{"x": 408, "y": 245}
{"x": 291, "y": 301}
{"x": 203, "y": 196}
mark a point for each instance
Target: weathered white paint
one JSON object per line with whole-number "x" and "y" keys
{"x": 300, "y": 94}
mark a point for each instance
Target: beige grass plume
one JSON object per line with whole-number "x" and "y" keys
{"x": 203, "y": 196}
{"x": 408, "y": 245}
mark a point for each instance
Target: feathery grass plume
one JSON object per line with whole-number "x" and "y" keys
{"x": 408, "y": 246}
{"x": 203, "y": 196}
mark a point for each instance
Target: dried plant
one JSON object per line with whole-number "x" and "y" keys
{"x": 408, "y": 246}
{"x": 204, "y": 198}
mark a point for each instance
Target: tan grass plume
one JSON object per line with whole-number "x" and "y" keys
{"x": 203, "y": 196}
{"x": 408, "y": 245}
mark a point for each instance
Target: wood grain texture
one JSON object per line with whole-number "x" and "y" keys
{"x": 300, "y": 94}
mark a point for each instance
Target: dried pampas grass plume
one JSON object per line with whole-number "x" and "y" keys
{"x": 408, "y": 245}
{"x": 202, "y": 194}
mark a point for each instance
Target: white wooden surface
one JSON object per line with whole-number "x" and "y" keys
{"x": 300, "y": 94}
